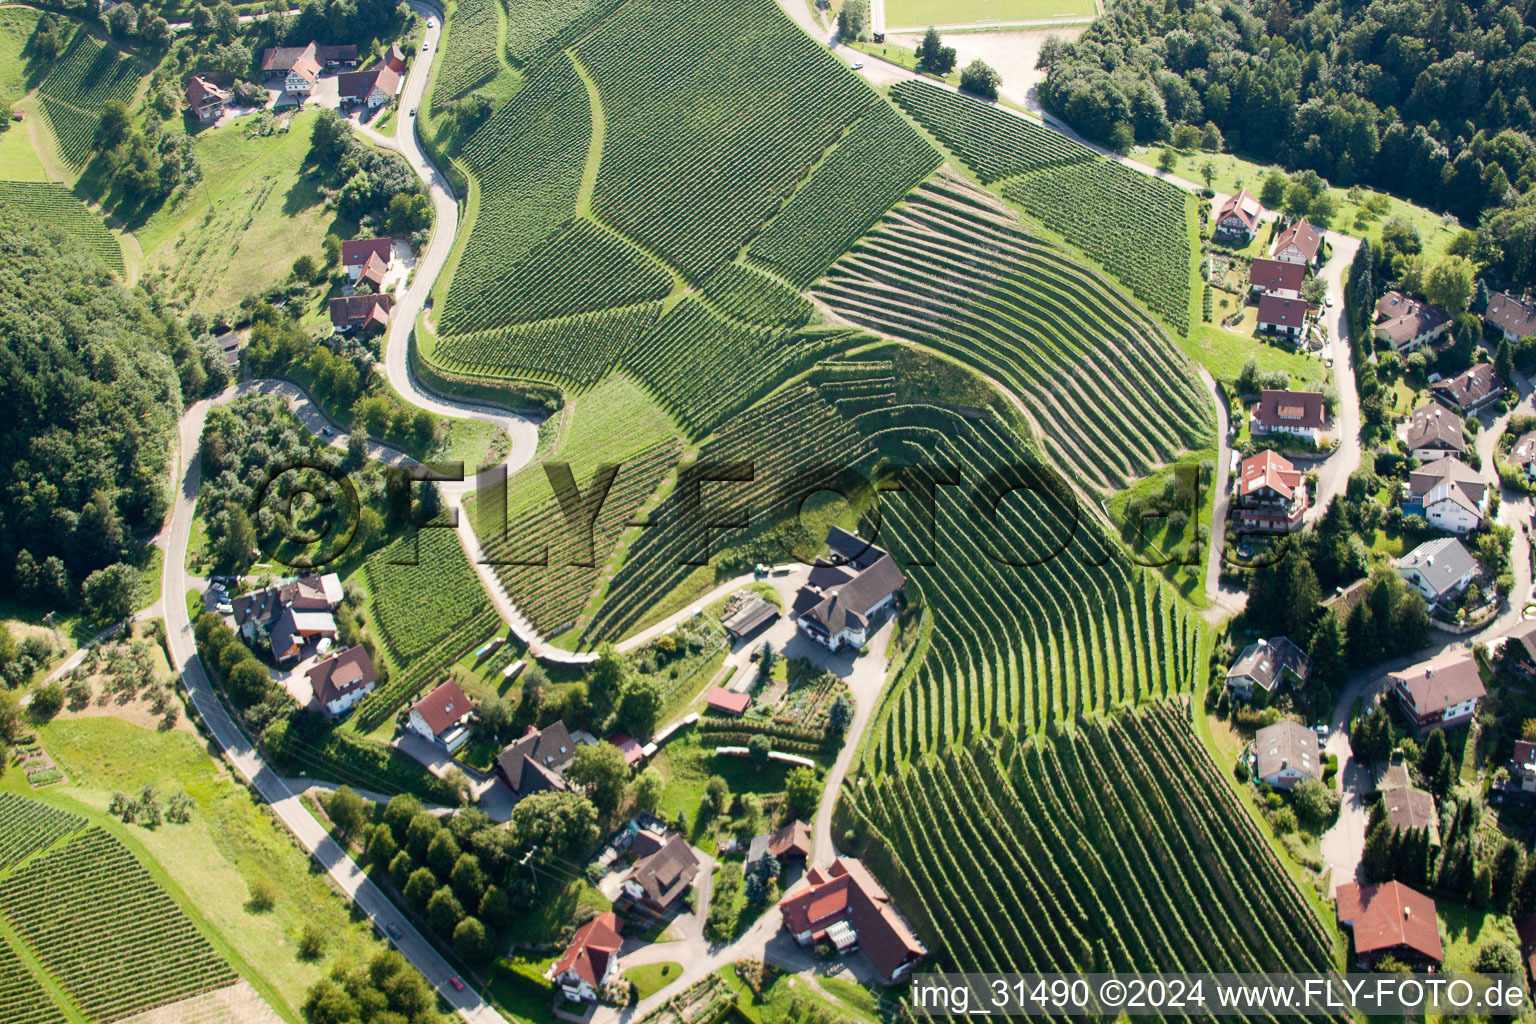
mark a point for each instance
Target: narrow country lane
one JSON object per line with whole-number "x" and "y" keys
{"x": 1334, "y": 472}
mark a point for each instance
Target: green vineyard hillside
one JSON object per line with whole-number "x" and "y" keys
{"x": 55, "y": 205}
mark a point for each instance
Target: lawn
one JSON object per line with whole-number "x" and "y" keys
{"x": 16, "y": 27}
{"x": 1224, "y": 352}
{"x": 918, "y": 14}
{"x": 231, "y": 841}
{"x": 1233, "y": 172}
{"x": 1466, "y": 928}
{"x": 839, "y": 999}
{"x": 686, "y": 766}
{"x": 217, "y": 242}
{"x": 650, "y": 978}
{"x": 548, "y": 923}
{"x": 1160, "y": 540}
{"x": 18, "y": 160}
{"x": 901, "y": 56}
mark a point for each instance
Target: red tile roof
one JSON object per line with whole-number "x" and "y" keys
{"x": 357, "y": 85}
{"x": 1387, "y": 916}
{"x": 1276, "y": 275}
{"x": 356, "y": 251}
{"x": 632, "y": 751}
{"x": 1280, "y": 311}
{"x": 352, "y": 310}
{"x": 722, "y": 699}
{"x": 339, "y": 676}
{"x": 1245, "y": 207}
{"x": 1302, "y": 235}
{"x": 593, "y": 945}
{"x": 444, "y": 707}
{"x": 1268, "y": 469}
{"x": 847, "y": 892}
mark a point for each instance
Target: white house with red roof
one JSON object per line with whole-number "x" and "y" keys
{"x": 1282, "y": 316}
{"x": 344, "y": 678}
{"x": 372, "y": 88}
{"x": 1237, "y": 219}
{"x": 1289, "y": 412}
{"x": 1276, "y": 277}
{"x": 591, "y": 961}
{"x": 1271, "y": 494}
{"x": 844, "y": 906}
{"x": 356, "y": 254}
{"x": 442, "y": 716}
{"x": 1300, "y": 243}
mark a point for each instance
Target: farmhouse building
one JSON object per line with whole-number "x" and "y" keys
{"x": 1285, "y": 753}
{"x": 591, "y": 960}
{"x": 287, "y": 616}
{"x": 364, "y": 312}
{"x": 1439, "y": 693}
{"x": 1266, "y": 664}
{"x": 372, "y": 88}
{"x": 845, "y": 592}
{"x": 533, "y": 763}
{"x": 277, "y": 61}
{"x": 1300, "y": 243}
{"x": 846, "y": 907}
{"x": 1390, "y": 920}
{"x": 1271, "y": 494}
{"x": 1237, "y": 219}
{"x": 664, "y": 869}
{"x": 343, "y": 679}
{"x": 1513, "y": 318}
{"x": 205, "y": 100}
{"x": 442, "y": 716}
{"x": 792, "y": 842}
{"x": 1434, "y": 433}
{"x": 1470, "y": 392}
{"x": 1289, "y": 412}
{"x": 1281, "y": 316}
{"x": 357, "y": 253}
{"x": 1276, "y": 277}
{"x": 1439, "y": 568}
{"x": 1448, "y": 494}
{"x": 1406, "y": 324}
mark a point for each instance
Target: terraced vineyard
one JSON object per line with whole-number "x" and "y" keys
{"x": 576, "y": 350}
{"x": 752, "y": 297}
{"x": 615, "y": 424}
{"x": 1116, "y": 847}
{"x": 84, "y": 77}
{"x": 53, "y": 204}
{"x": 953, "y": 270}
{"x": 418, "y": 603}
{"x": 715, "y": 109}
{"x": 27, "y": 826}
{"x": 101, "y": 925}
{"x": 469, "y": 57}
{"x": 842, "y": 199}
{"x": 1131, "y": 223}
{"x": 22, "y": 1000}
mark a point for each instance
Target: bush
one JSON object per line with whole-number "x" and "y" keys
{"x": 981, "y": 79}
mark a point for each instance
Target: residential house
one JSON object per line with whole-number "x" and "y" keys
{"x": 1448, "y": 493}
{"x": 1525, "y": 765}
{"x": 1471, "y": 392}
{"x": 1300, "y": 243}
{"x": 277, "y": 60}
{"x": 533, "y": 763}
{"x": 633, "y": 752}
{"x": 395, "y": 59}
{"x": 343, "y": 679}
{"x": 1406, "y": 324}
{"x": 357, "y": 253}
{"x": 1390, "y": 920}
{"x": 372, "y": 88}
{"x": 664, "y": 869}
{"x": 205, "y": 100}
{"x": 844, "y": 906}
{"x": 1281, "y": 316}
{"x": 1237, "y": 219}
{"x": 721, "y": 701}
{"x": 1523, "y": 454}
{"x": 289, "y": 615}
{"x": 229, "y": 347}
{"x": 845, "y": 592}
{"x": 371, "y": 277}
{"x": 1439, "y": 693}
{"x": 1271, "y": 494}
{"x": 1289, "y": 412}
{"x": 1434, "y": 433}
{"x": 591, "y": 961}
{"x": 442, "y": 716}
{"x": 1266, "y": 664}
{"x": 791, "y": 842}
{"x": 1276, "y": 277}
{"x": 363, "y": 312}
{"x": 1286, "y": 753}
{"x": 1410, "y": 809}
{"x": 1439, "y": 568}
{"x": 1513, "y": 318}
{"x": 1523, "y": 659}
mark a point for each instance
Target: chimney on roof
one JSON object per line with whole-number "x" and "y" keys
{"x": 1407, "y": 911}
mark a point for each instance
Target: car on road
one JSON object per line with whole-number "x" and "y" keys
{"x": 393, "y": 929}
{"x": 327, "y": 431}
{"x": 431, "y": 24}
{"x": 856, "y": 65}
{"x": 458, "y": 986}
{"x": 413, "y": 111}
{"x": 1328, "y": 300}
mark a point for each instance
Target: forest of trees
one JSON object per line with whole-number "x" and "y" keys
{"x": 1427, "y": 99}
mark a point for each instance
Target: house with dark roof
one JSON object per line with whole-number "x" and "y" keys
{"x": 1276, "y": 277}
{"x": 792, "y": 842}
{"x": 1522, "y": 659}
{"x": 1300, "y": 243}
{"x": 1524, "y": 762}
{"x": 664, "y": 869}
{"x": 362, "y": 312}
{"x": 1285, "y": 753}
{"x": 343, "y": 678}
{"x": 1237, "y": 218}
{"x": 205, "y": 99}
{"x": 1407, "y": 324}
{"x": 1439, "y": 693}
{"x": 1434, "y": 433}
{"x": 1439, "y": 568}
{"x": 1289, "y": 412}
{"x": 1283, "y": 317}
{"x": 442, "y": 716}
{"x": 591, "y": 961}
{"x": 371, "y": 88}
{"x": 1513, "y": 318}
{"x": 1265, "y": 664}
{"x": 1423, "y": 481}
{"x": 846, "y": 591}
{"x": 229, "y": 348}
{"x": 1409, "y": 809}
{"x": 1525, "y": 928}
{"x": 1271, "y": 494}
{"x": 845, "y": 907}
{"x": 1390, "y": 920}
{"x": 287, "y": 616}
{"x": 1454, "y": 499}
{"x": 1470, "y": 392}
{"x": 750, "y": 617}
{"x": 533, "y": 763}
